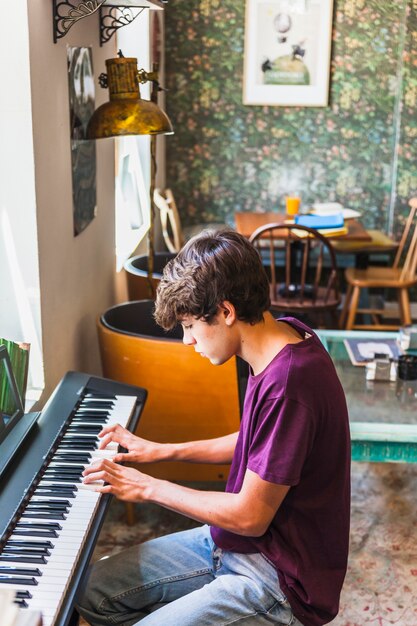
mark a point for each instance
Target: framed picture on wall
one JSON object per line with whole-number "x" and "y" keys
{"x": 287, "y": 52}
{"x": 83, "y": 153}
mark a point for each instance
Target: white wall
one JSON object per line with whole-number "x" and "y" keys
{"x": 77, "y": 274}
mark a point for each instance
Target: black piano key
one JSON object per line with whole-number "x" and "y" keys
{"x": 96, "y": 394}
{"x": 20, "y": 558}
{"x": 36, "y": 532}
{"x": 99, "y": 404}
{"x": 69, "y": 478}
{"x": 66, "y": 469}
{"x": 61, "y": 477}
{"x": 86, "y": 444}
{"x": 56, "y": 492}
{"x": 60, "y": 504}
{"x": 20, "y": 571}
{"x": 21, "y": 603}
{"x": 45, "y": 510}
{"x": 22, "y": 550}
{"x": 22, "y": 543}
{"x": 97, "y": 400}
{"x": 18, "y": 580}
{"x": 75, "y": 438}
{"x": 81, "y": 421}
{"x": 97, "y": 409}
{"x": 91, "y": 417}
{"x": 24, "y": 594}
{"x": 85, "y": 409}
{"x": 66, "y": 454}
{"x": 77, "y": 442}
{"x": 99, "y": 424}
{"x": 44, "y": 515}
{"x": 94, "y": 407}
{"x": 82, "y": 446}
{"x": 39, "y": 525}
{"x": 73, "y": 458}
{"x": 85, "y": 428}
{"x": 65, "y": 489}
{"x": 48, "y": 505}
{"x": 63, "y": 471}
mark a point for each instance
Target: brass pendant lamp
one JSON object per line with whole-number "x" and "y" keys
{"x": 127, "y": 113}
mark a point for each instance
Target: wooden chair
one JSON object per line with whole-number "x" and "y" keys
{"x": 400, "y": 276}
{"x": 170, "y": 219}
{"x": 295, "y": 258}
{"x": 174, "y": 235}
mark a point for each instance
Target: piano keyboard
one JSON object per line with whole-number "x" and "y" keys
{"x": 40, "y": 555}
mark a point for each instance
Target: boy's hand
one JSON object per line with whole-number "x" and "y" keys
{"x": 139, "y": 450}
{"x": 126, "y": 483}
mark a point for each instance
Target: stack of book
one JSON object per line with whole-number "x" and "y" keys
{"x": 327, "y": 225}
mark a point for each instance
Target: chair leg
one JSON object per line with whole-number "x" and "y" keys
{"x": 353, "y": 308}
{"x": 404, "y": 303}
{"x": 345, "y": 308}
{"x": 334, "y": 319}
{"x": 130, "y": 513}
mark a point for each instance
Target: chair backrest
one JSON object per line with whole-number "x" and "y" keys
{"x": 407, "y": 249}
{"x": 170, "y": 219}
{"x": 295, "y": 258}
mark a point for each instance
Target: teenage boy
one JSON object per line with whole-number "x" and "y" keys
{"x": 273, "y": 548}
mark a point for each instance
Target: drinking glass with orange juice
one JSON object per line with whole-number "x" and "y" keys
{"x": 292, "y": 204}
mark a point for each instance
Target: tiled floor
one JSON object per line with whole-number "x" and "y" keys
{"x": 381, "y": 583}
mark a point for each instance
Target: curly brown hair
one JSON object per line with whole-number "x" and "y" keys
{"x": 213, "y": 267}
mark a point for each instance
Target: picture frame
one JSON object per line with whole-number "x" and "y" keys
{"x": 287, "y": 52}
{"x": 81, "y": 92}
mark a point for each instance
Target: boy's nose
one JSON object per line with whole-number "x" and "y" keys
{"x": 188, "y": 339}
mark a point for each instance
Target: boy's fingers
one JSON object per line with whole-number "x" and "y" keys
{"x": 105, "y": 441}
{"x": 119, "y": 458}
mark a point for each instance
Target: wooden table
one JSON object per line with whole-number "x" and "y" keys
{"x": 247, "y": 222}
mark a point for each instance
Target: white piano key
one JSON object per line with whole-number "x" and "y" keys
{"x": 91, "y": 486}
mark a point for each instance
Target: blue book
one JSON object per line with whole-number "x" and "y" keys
{"x": 321, "y": 221}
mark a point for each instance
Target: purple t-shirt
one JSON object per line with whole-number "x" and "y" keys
{"x": 295, "y": 432}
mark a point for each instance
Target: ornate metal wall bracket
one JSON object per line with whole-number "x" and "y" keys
{"x": 113, "y": 18}
{"x": 66, "y": 14}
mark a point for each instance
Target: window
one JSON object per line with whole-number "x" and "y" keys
{"x": 20, "y": 318}
{"x": 133, "y": 161}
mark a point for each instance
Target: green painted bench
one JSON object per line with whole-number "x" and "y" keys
{"x": 383, "y": 415}
{"x": 372, "y": 441}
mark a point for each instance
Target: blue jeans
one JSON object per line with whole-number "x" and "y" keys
{"x": 184, "y": 579}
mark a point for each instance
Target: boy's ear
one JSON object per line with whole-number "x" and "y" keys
{"x": 228, "y": 311}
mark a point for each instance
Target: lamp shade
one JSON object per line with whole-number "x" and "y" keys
{"x": 126, "y": 113}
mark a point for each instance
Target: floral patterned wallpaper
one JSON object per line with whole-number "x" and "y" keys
{"x": 360, "y": 150}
